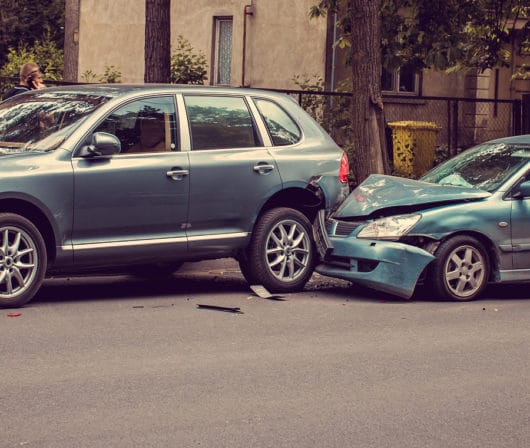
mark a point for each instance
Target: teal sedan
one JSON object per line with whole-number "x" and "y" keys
{"x": 464, "y": 224}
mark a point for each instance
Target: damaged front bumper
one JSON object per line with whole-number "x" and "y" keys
{"x": 386, "y": 266}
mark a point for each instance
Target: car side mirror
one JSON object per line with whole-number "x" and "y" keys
{"x": 523, "y": 190}
{"x": 102, "y": 144}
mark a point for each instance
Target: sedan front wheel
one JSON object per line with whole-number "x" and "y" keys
{"x": 461, "y": 269}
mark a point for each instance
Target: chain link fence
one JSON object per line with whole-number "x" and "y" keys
{"x": 463, "y": 122}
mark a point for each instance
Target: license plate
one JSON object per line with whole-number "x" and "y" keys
{"x": 320, "y": 235}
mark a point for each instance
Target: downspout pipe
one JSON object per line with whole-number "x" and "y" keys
{"x": 248, "y": 10}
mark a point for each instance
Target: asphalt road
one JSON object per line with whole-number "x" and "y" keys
{"x": 124, "y": 362}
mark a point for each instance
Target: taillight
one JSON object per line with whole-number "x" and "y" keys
{"x": 344, "y": 169}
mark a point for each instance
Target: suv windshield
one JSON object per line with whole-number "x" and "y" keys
{"x": 43, "y": 120}
{"x": 486, "y": 167}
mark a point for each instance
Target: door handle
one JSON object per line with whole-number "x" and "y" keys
{"x": 177, "y": 174}
{"x": 263, "y": 168}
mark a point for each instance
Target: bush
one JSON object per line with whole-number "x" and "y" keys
{"x": 187, "y": 67}
{"x": 112, "y": 75}
{"x": 45, "y": 54}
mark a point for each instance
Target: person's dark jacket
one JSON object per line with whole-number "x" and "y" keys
{"x": 15, "y": 91}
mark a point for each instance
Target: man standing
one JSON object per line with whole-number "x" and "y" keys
{"x": 30, "y": 79}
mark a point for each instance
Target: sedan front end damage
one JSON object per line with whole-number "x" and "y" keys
{"x": 388, "y": 266}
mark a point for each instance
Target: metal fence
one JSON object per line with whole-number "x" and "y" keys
{"x": 463, "y": 122}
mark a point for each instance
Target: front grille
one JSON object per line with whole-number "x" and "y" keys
{"x": 344, "y": 228}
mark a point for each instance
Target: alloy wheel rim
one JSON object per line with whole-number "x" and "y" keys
{"x": 18, "y": 261}
{"x": 465, "y": 271}
{"x": 288, "y": 250}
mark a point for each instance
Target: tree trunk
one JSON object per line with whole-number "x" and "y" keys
{"x": 157, "y": 41}
{"x": 368, "y": 127}
{"x": 71, "y": 40}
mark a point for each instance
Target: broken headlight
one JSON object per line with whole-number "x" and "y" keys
{"x": 389, "y": 228}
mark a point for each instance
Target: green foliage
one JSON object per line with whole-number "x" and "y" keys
{"x": 313, "y": 104}
{"x": 111, "y": 75}
{"x": 89, "y": 76}
{"x": 522, "y": 72}
{"x": 187, "y": 67}
{"x": 24, "y": 22}
{"x": 45, "y": 54}
{"x": 440, "y": 34}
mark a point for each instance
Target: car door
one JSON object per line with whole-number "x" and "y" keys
{"x": 133, "y": 206}
{"x": 231, "y": 172}
{"x": 521, "y": 232}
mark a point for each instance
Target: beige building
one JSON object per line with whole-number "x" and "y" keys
{"x": 260, "y": 43}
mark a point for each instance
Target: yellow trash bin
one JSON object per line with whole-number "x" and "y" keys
{"x": 413, "y": 143}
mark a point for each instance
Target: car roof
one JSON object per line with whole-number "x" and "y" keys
{"x": 524, "y": 139}
{"x": 117, "y": 90}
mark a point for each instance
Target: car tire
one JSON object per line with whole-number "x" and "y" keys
{"x": 461, "y": 269}
{"x": 281, "y": 252}
{"x": 23, "y": 260}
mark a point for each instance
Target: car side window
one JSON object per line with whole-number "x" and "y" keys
{"x": 144, "y": 126}
{"x": 282, "y": 128}
{"x": 220, "y": 122}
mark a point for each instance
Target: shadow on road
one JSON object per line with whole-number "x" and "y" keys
{"x": 222, "y": 276}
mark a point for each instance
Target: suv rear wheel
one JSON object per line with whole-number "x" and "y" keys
{"x": 280, "y": 255}
{"x": 22, "y": 260}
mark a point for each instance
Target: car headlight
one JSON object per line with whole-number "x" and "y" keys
{"x": 390, "y": 228}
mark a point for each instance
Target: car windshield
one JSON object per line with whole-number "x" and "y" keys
{"x": 43, "y": 120}
{"x": 485, "y": 167}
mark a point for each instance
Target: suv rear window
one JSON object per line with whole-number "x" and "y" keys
{"x": 220, "y": 122}
{"x": 282, "y": 129}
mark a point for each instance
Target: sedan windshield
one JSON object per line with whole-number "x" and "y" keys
{"x": 43, "y": 120}
{"x": 485, "y": 167}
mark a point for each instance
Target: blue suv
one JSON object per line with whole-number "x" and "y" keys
{"x": 141, "y": 178}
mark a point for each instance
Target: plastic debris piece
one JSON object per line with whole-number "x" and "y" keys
{"x": 262, "y": 292}
{"x": 138, "y": 306}
{"x": 14, "y": 314}
{"x": 226, "y": 309}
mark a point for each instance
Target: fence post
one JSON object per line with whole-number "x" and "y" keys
{"x": 525, "y": 112}
{"x": 455, "y": 128}
{"x": 517, "y": 107}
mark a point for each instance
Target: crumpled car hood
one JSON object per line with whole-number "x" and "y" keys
{"x": 379, "y": 192}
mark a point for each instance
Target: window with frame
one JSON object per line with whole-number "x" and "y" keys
{"x": 220, "y": 122}
{"x": 144, "y": 126}
{"x": 222, "y": 58}
{"x": 404, "y": 81}
{"x": 282, "y": 128}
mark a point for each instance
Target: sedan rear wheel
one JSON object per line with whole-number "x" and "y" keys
{"x": 281, "y": 253}
{"x": 22, "y": 260}
{"x": 461, "y": 269}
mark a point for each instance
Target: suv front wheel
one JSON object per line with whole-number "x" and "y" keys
{"x": 22, "y": 260}
{"x": 280, "y": 255}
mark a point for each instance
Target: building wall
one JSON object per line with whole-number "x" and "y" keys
{"x": 111, "y": 33}
{"x": 281, "y": 40}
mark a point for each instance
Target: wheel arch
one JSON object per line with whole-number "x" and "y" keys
{"x": 491, "y": 250}
{"x": 302, "y": 199}
{"x": 37, "y": 216}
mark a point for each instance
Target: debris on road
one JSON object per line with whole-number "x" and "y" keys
{"x": 14, "y": 314}
{"x": 262, "y": 292}
{"x": 220, "y": 308}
